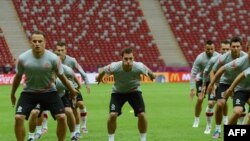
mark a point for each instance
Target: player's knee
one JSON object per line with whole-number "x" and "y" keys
{"x": 34, "y": 113}
{"x": 19, "y": 118}
{"x": 113, "y": 115}
{"x": 237, "y": 112}
{"x": 141, "y": 115}
{"x": 68, "y": 111}
{"x": 80, "y": 104}
{"x": 60, "y": 117}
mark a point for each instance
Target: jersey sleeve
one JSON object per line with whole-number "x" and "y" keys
{"x": 220, "y": 62}
{"x": 233, "y": 65}
{"x": 81, "y": 71}
{"x": 19, "y": 67}
{"x": 109, "y": 69}
{"x": 247, "y": 72}
{"x": 58, "y": 66}
{"x": 194, "y": 71}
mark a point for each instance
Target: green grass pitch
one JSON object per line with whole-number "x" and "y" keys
{"x": 170, "y": 114}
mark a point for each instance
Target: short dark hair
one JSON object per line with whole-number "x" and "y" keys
{"x": 225, "y": 42}
{"x": 127, "y": 50}
{"x": 235, "y": 39}
{"x": 209, "y": 42}
{"x": 61, "y": 43}
{"x": 38, "y": 32}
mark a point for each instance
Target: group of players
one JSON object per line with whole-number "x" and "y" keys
{"x": 218, "y": 76}
{"x": 51, "y": 85}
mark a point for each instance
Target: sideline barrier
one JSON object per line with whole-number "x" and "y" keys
{"x": 161, "y": 77}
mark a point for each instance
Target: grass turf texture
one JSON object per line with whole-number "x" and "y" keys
{"x": 170, "y": 114}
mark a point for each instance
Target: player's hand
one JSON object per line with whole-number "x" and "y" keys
{"x": 210, "y": 88}
{"x": 73, "y": 93}
{"x": 203, "y": 89}
{"x": 13, "y": 100}
{"x": 192, "y": 93}
{"x": 88, "y": 89}
{"x": 98, "y": 79}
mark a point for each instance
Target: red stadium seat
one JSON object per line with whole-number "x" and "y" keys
{"x": 105, "y": 23}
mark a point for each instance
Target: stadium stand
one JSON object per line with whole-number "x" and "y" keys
{"x": 193, "y": 22}
{"x": 95, "y": 31}
{"x": 6, "y": 59}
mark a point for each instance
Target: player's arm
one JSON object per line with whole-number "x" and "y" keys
{"x": 150, "y": 74}
{"x": 194, "y": 71}
{"x": 215, "y": 78}
{"x": 77, "y": 82}
{"x": 236, "y": 81}
{"x": 65, "y": 82}
{"x": 16, "y": 83}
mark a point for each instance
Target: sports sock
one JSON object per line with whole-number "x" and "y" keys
{"x": 84, "y": 117}
{"x": 143, "y": 136}
{"x": 111, "y": 137}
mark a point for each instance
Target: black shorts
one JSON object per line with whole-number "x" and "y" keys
{"x": 48, "y": 101}
{"x": 134, "y": 99}
{"x": 240, "y": 98}
{"x": 221, "y": 90}
{"x": 66, "y": 101}
{"x": 199, "y": 87}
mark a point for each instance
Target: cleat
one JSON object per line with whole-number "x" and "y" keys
{"x": 38, "y": 136}
{"x": 85, "y": 130}
{"x": 74, "y": 138}
{"x": 196, "y": 123}
{"x": 216, "y": 134}
{"x": 78, "y": 135}
{"x": 30, "y": 139}
{"x": 207, "y": 130}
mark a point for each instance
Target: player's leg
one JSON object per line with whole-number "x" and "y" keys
{"x": 136, "y": 101}
{"x": 51, "y": 101}
{"x": 198, "y": 105}
{"x": 225, "y": 114}
{"x": 70, "y": 117}
{"x": 238, "y": 106}
{"x": 209, "y": 114}
{"x": 219, "y": 108}
{"x": 77, "y": 121}
{"x": 25, "y": 104}
{"x": 82, "y": 112}
{"x": 45, "y": 122}
{"x": 116, "y": 102}
{"x": 32, "y": 123}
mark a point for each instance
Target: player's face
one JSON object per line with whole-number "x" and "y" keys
{"x": 224, "y": 48}
{"x": 61, "y": 50}
{"x": 209, "y": 49}
{"x": 127, "y": 61}
{"x": 38, "y": 43}
{"x": 235, "y": 48}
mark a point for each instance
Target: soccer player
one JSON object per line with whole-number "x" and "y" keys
{"x": 225, "y": 79}
{"x": 71, "y": 62}
{"x": 39, "y": 67}
{"x": 61, "y": 91}
{"x": 126, "y": 88}
{"x": 224, "y": 47}
{"x": 240, "y": 87}
{"x": 197, "y": 71}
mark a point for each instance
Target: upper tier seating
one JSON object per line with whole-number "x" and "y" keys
{"x": 95, "y": 30}
{"x": 5, "y": 55}
{"x": 194, "y": 22}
